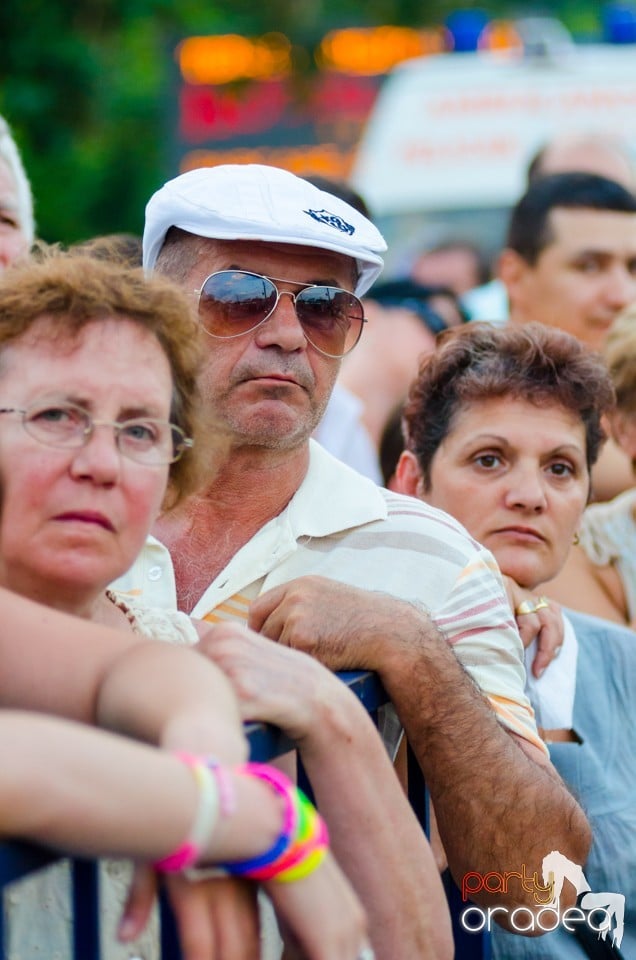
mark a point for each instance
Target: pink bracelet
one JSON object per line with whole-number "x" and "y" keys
{"x": 302, "y": 843}
{"x": 208, "y": 810}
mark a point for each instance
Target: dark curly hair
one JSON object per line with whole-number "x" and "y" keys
{"x": 542, "y": 365}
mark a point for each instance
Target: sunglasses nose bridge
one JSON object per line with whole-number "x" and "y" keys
{"x": 283, "y": 325}
{"x": 286, "y": 293}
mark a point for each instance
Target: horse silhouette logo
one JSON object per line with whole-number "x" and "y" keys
{"x": 557, "y": 869}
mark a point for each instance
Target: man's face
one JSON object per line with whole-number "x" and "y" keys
{"x": 269, "y": 387}
{"x": 581, "y": 279}
{"x": 13, "y": 241}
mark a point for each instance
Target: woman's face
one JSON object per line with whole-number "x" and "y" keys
{"x": 515, "y": 475}
{"x": 74, "y": 519}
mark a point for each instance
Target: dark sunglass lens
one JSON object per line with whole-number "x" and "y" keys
{"x": 233, "y": 302}
{"x": 332, "y": 319}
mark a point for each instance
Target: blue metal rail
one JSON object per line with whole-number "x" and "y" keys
{"x": 17, "y": 860}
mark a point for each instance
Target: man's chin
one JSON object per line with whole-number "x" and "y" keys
{"x": 276, "y": 430}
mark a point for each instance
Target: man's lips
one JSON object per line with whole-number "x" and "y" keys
{"x": 274, "y": 381}
{"x": 86, "y": 516}
{"x": 278, "y": 377}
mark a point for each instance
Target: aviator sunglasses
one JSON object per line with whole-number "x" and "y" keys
{"x": 234, "y": 302}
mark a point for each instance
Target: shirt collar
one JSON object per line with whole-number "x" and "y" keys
{"x": 332, "y": 497}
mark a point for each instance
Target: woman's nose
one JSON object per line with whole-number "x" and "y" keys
{"x": 98, "y": 459}
{"x": 526, "y": 490}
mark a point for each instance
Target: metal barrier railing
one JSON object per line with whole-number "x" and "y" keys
{"x": 18, "y": 860}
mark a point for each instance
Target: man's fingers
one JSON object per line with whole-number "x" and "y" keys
{"x": 263, "y": 607}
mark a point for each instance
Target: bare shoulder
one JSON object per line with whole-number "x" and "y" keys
{"x": 584, "y": 586}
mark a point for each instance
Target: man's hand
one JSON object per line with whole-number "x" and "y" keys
{"x": 461, "y": 747}
{"x": 340, "y": 625}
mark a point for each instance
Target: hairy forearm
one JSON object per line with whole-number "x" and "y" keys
{"x": 375, "y": 835}
{"x": 498, "y": 809}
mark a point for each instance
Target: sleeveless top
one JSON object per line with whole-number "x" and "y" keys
{"x": 608, "y": 535}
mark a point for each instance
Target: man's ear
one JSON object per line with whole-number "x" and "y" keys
{"x": 512, "y": 270}
{"x": 408, "y": 476}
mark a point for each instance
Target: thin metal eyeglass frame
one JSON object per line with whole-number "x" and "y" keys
{"x": 279, "y": 294}
{"x": 185, "y": 443}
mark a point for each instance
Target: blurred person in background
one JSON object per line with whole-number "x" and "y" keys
{"x": 342, "y": 430}
{"x": 570, "y": 255}
{"x": 404, "y": 318}
{"x": 583, "y": 152}
{"x": 456, "y": 264}
{"x": 570, "y": 262}
{"x": 600, "y": 575}
{"x": 17, "y": 226}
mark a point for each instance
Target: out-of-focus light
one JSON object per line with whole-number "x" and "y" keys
{"x": 222, "y": 59}
{"x": 466, "y": 27}
{"x": 500, "y": 35}
{"x": 544, "y": 37}
{"x": 619, "y": 23}
{"x": 374, "y": 50}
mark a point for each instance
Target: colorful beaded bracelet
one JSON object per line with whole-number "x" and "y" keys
{"x": 299, "y": 849}
{"x": 302, "y": 843}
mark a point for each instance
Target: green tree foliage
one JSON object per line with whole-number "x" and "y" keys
{"x": 88, "y": 88}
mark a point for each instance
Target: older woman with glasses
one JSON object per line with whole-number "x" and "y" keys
{"x": 98, "y": 414}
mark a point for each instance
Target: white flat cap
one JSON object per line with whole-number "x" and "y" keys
{"x": 257, "y": 202}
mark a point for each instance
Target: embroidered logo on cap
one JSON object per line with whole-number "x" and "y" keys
{"x": 332, "y": 220}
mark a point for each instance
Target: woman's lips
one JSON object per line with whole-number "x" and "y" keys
{"x": 86, "y": 516}
{"x": 524, "y": 534}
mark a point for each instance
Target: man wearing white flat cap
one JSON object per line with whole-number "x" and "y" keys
{"x": 275, "y": 268}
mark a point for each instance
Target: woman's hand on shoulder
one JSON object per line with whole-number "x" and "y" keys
{"x": 537, "y": 617}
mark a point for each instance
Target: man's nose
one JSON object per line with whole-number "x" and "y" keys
{"x": 621, "y": 287}
{"x": 282, "y": 328}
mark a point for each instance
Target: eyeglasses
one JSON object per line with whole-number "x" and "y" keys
{"x": 143, "y": 439}
{"x": 234, "y": 302}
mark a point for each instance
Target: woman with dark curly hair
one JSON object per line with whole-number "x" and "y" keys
{"x": 502, "y": 427}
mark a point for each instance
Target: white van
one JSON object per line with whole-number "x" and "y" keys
{"x": 447, "y": 143}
